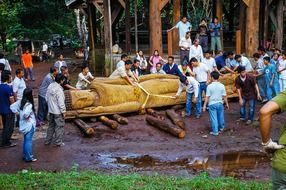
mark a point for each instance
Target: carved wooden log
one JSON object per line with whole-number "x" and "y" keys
{"x": 155, "y": 114}
{"x": 178, "y": 107}
{"x": 108, "y": 122}
{"x": 85, "y": 128}
{"x": 174, "y": 130}
{"x": 175, "y": 118}
{"x": 120, "y": 119}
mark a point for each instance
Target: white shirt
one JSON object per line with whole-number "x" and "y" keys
{"x": 143, "y": 62}
{"x": 282, "y": 65}
{"x": 210, "y": 63}
{"x": 197, "y": 52}
{"x": 6, "y": 63}
{"x": 45, "y": 47}
{"x": 201, "y": 72}
{"x": 185, "y": 43}
{"x": 120, "y": 64}
{"x": 121, "y": 72}
{"x": 55, "y": 98}
{"x": 81, "y": 83}
{"x": 246, "y": 63}
{"x": 215, "y": 91}
{"x": 19, "y": 86}
{"x": 192, "y": 87}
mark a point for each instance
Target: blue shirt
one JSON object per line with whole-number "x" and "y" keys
{"x": 174, "y": 70}
{"x": 45, "y": 84}
{"x": 268, "y": 71}
{"x": 183, "y": 28}
{"x": 220, "y": 62}
{"x": 216, "y": 29}
{"x": 215, "y": 91}
{"x": 5, "y": 93}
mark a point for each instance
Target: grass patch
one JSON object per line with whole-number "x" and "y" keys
{"x": 74, "y": 180}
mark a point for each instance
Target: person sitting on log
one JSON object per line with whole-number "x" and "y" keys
{"x": 171, "y": 67}
{"x": 125, "y": 73}
{"x": 192, "y": 89}
{"x": 83, "y": 78}
{"x": 66, "y": 85}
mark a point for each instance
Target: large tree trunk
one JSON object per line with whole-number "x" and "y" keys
{"x": 78, "y": 24}
{"x": 279, "y": 29}
{"x": 155, "y": 25}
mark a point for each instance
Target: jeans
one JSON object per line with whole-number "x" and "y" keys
{"x": 184, "y": 55}
{"x": 189, "y": 104}
{"x": 261, "y": 86}
{"x": 278, "y": 180}
{"x": 29, "y": 71}
{"x": 216, "y": 112}
{"x": 273, "y": 90}
{"x": 215, "y": 42}
{"x": 202, "y": 88}
{"x": 56, "y": 129}
{"x": 27, "y": 145}
{"x": 251, "y": 109}
{"x": 204, "y": 42}
{"x": 42, "y": 109}
{"x": 282, "y": 83}
{"x": 8, "y": 121}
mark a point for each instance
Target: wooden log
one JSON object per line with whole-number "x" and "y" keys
{"x": 158, "y": 123}
{"x": 175, "y": 118}
{"x": 178, "y": 107}
{"x": 108, "y": 122}
{"x": 120, "y": 119}
{"x": 155, "y": 114}
{"x": 85, "y": 128}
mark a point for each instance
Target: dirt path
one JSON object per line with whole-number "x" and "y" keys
{"x": 138, "y": 147}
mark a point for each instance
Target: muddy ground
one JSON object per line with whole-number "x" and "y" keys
{"x": 138, "y": 147}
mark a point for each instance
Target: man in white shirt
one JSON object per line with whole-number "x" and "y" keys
{"x": 60, "y": 62}
{"x": 210, "y": 61}
{"x": 124, "y": 72}
{"x": 45, "y": 52}
{"x": 202, "y": 74}
{"x": 183, "y": 25}
{"x": 121, "y": 63}
{"x": 196, "y": 50}
{"x": 5, "y": 62}
{"x": 185, "y": 45}
{"x": 19, "y": 84}
{"x": 243, "y": 61}
{"x": 192, "y": 89}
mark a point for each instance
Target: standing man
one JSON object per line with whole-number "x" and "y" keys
{"x": 275, "y": 106}
{"x": 28, "y": 65}
{"x": 171, "y": 67}
{"x": 202, "y": 34}
{"x": 202, "y": 74}
{"x": 42, "y": 103}
{"x": 8, "y": 117}
{"x": 19, "y": 52}
{"x": 55, "y": 98}
{"x": 184, "y": 26}
{"x": 19, "y": 84}
{"x": 196, "y": 51}
{"x": 45, "y": 52}
{"x": 185, "y": 45}
{"x": 215, "y": 28}
{"x": 60, "y": 62}
{"x": 258, "y": 57}
{"x": 125, "y": 73}
{"x": 121, "y": 63}
{"x": 248, "y": 92}
{"x": 243, "y": 61}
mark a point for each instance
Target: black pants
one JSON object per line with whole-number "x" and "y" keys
{"x": 42, "y": 109}
{"x": 8, "y": 128}
{"x": 184, "y": 54}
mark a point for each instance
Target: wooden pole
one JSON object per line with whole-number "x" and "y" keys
{"x": 91, "y": 38}
{"x": 252, "y": 27}
{"x": 279, "y": 29}
{"x": 136, "y": 26}
{"x": 238, "y": 42}
{"x": 242, "y": 17}
{"x": 127, "y": 27}
{"x": 85, "y": 128}
{"x": 155, "y": 25}
{"x": 219, "y": 9}
{"x": 176, "y": 18}
{"x": 170, "y": 43}
{"x": 108, "y": 37}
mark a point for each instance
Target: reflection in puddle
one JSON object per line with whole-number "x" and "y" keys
{"x": 226, "y": 164}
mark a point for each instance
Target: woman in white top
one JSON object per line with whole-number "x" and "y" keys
{"x": 83, "y": 78}
{"x": 142, "y": 61}
{"x": 196, "y": 51}
{"x": 282, "y": 72}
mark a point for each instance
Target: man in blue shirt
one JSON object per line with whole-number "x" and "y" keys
{"x": 8, "y": 117}
{"x": 171, "y": 67}
{"x": 184, "y": 26}
{"x": 221, "y": 65}
{"x": 215, "y": 28}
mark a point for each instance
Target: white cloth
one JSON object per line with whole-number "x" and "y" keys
{"x": 55, "y": 98}
{"x": 143, "y": 62}
{"x": 197, "y": 52}
{"x": 121, "y": 72}
{"x": 246, "y": 63}
{"x": 185, "y": 43}
{"x": 192, "y": 87}
{"x": 19, "y": 86}
{"x": 81, "y": 83}
{"x": 282, "y": 65}
{"x": 120, "y": 64}
{"x": 6, "y": 63}
{"x": 210, "y": 63}
{"x": 201, "y": 72}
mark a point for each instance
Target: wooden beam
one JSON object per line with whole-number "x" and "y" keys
{"x": 127, "y": 27}
{"x": 252, "y": 27}
{"x": 170, "y": 43}
{"x": 92, "y": 33}
{"x": 242, "y": 26}
{"x": 155, "y": 25}
{"x": 123, "y": 4}
{"x": 246, "y": 2}
{"x": 115, "y": 13}
{"x": 83, "y": 11}
{"x": 98, "y": 7}
{"x": 163, "y": 3}
{"x": 238, "y": 42}
{"x": 176, "y": 18}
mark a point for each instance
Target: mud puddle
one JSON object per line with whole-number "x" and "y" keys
{"x": 235, "y": 164}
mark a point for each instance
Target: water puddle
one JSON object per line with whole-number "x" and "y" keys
{"x": 234, "y": 164}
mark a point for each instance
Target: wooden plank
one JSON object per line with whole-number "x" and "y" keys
{"x": 163, "y": 3}
{"x": 91, "y": 30}
{"x": 238, "y": 42}
{"x": 123, "y": 4}
{"x": 246, "y": 2}
{"x": 242, "y": 21}
{"x": 115, "y": 13}
{"x": 176, "y": 18}
{"x": 170, "y": 43}
{"x": 127, "y": 27}
{"x": 98, "y": 7}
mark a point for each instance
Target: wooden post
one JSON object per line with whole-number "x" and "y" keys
{"x": 136, "y": 25}
{"x": 242, "y": 13}
{"x": 176, "y": 19}
{"x": 155, "y": 25}
{"x": 279, "y": 29}
{"x": 108, "y": 37}
{"x": 252, "y": 27}
{"x": 219, "y": 9}
{"x": 238, "y": 42}
{"x": 91, "y": 38}
{"x": 170, "y": 43}
{"x": 127, "y": 27}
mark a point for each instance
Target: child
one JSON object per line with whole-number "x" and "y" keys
{"x": 154, "y": 59}
{"x": 192, "y": 89}
{"x": 215, "y": 95}
{"x": 25, "y": 108}
{"x": 83, "y": 78}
